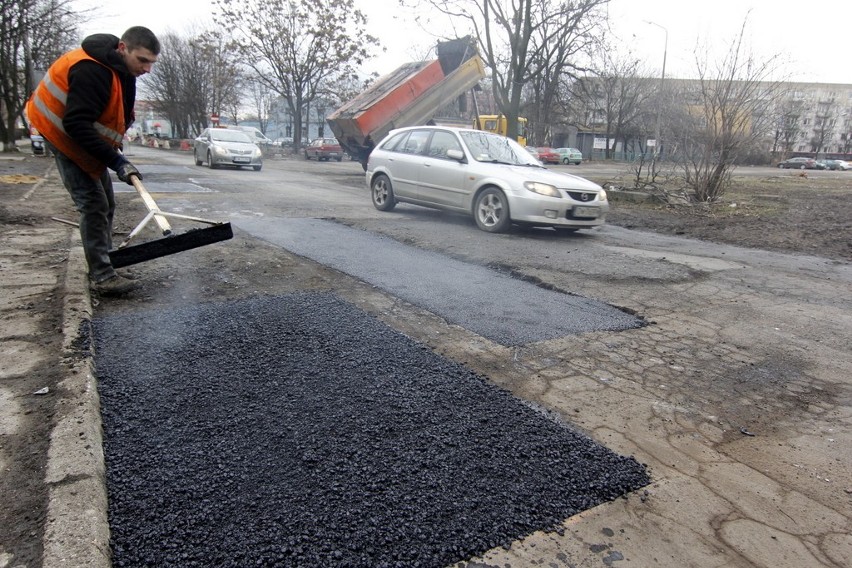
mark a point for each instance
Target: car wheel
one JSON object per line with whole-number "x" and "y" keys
{"x": 210, "y": 163}
{"x": 780, "y": 166}
{"x": 566, "y": 161}
{"x": 802, "y": 167}
{"x": 381, "y": 192}
{"x": 491, "y": 211}
{"x": 197, "y": 161}
{"x": 257, "y": 168}
{"x": 340, "y": 159}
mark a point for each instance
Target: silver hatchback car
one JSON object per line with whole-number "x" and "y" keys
{"x": 482, "y": 174}
{"x": 226, "y": 147}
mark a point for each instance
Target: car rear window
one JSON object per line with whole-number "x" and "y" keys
{"x": 415, "y": 143}
{"x": 393, "y": 141}
{"x": 441, "y": 142}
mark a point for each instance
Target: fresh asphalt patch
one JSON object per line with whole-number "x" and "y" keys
{"x": 298, "y": 430}
{"x": 492, "y": 304}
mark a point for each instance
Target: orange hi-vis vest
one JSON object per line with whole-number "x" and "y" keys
{"x": 46, "y": 108}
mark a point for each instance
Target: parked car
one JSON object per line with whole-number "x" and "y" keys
{"x": 486, "y": 175}
{"x": 842, "y": 165}
{"x": 570, "y": 156}
{"x": 533, "y": 151}
{"x": 324, "y": 149}
{"x": 226, "y": 147}
{"x": 548, "y": 156}
{"x": 800, "y": 164}
{"x": 285, "y": 142}
{"x": 37, "y": 142}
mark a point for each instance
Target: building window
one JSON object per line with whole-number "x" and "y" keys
{"x": 598, "y": 117}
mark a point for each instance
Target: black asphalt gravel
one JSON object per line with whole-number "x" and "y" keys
{"x": 299, "y": 431}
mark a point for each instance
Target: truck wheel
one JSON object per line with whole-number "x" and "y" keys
{"x": 381, "y": 191}
{"x": 491, "y": 211}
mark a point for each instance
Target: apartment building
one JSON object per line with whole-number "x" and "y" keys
{"x": 799, "y": 119}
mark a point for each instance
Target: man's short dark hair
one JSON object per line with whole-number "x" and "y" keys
{"x": 139, "y": 36}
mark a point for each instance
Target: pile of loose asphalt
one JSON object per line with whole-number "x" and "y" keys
{"x": 297, "y": 430}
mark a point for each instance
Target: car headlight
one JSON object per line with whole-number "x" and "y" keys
{"x": 218, "y": 150}
{"x": 602, "y": 196}
{"x": 542, "y": 188}
{"x": 256, "y": 153}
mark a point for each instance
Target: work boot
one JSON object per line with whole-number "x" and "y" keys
{"x": 115, "y": 286}
{"x": 127, "y": 273}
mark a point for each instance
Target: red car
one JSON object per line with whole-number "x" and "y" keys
{"x": 548, "y": 156}
{"x": 324, "y": 149}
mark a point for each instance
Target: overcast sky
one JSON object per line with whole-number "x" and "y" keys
{"x": 813, "y": 40}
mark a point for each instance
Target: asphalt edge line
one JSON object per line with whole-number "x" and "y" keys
{"x": 76, "y": 531}
{"x": 40, "y": 182}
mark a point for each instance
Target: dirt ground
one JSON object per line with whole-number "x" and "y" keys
{"x": 784, "y": 213}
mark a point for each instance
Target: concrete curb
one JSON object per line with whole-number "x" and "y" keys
{"x": 76, "y": 528}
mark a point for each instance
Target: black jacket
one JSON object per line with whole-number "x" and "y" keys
{"x": 90, "y": 86}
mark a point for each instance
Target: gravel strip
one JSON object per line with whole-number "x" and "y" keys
{"x": 299, "y": 431}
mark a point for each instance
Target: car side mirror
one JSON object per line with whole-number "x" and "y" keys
{"x": 454, "y": 154}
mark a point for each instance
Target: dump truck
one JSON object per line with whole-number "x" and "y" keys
{"x": 409, "y": 96}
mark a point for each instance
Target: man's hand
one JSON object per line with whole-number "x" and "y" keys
{"x": 125, "y": 171}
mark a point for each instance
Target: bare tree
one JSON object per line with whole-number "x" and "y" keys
{"x": 192, "y": 80}
{"x": 846, "y": 137}
{"x": 261, "y": 102}
{"x": 527, "y": 44}
{"x": 32, "y": 34}
{"x": 788, "y": 128}
{"x": 295, "y": 48}
{"x": 727, "y": 111}
{"x": 618, "y": 94}
{"x": 826, "y": 121}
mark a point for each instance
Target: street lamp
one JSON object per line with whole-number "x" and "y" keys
{"x": 657, "y": 144}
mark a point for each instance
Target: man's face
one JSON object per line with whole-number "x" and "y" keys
{"x": 139, "y": 60}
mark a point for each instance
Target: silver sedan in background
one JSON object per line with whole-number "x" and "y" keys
{"x": 225, "y": 147}
{"x": 485, "y": 175}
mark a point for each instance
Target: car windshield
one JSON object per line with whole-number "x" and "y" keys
{"x": 229, "y": 136}
{"x": 487, "y": 147}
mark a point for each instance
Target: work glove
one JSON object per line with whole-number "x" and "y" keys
{"x": 126, "y": 170}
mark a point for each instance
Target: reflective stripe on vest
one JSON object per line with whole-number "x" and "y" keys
{"x": 46, "y": 108}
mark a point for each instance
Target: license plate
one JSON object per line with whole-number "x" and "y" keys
{"x": 242, "y": 159}
{"x": 583, "y": 211}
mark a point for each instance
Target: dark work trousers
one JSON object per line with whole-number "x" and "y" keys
{"x": 95, "y": 201}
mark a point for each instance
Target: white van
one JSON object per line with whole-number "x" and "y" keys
{"x": 255, "y": 134}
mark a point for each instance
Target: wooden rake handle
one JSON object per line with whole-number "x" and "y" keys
{"x": 161, "y": 221}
